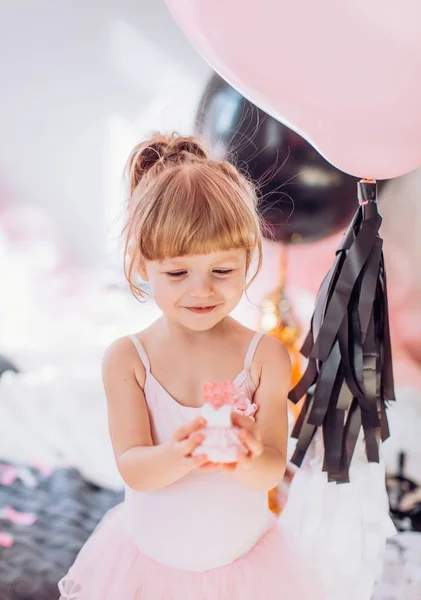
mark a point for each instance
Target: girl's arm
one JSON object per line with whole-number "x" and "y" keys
{"x": 267, "y": 439}
{"x": 143, "y": 466}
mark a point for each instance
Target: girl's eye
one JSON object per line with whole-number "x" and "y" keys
{"x": 176, "y": 274}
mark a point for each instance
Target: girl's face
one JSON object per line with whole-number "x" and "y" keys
{"x": 198, "y": 291}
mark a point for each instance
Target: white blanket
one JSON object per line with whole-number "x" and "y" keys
{"x": 58, "y": 417}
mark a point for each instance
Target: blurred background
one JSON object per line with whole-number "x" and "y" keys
{"x": 81, "y": 84}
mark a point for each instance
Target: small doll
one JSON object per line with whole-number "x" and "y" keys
{"x": 221, "y": 443}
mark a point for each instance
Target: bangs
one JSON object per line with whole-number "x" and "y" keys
{"x": 198, "y": 214}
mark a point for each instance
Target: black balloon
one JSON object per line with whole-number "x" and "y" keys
{"x": 304, "y": 198}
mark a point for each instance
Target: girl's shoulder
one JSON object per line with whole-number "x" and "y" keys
{"x": 271, "y": 349}
{"x": 122, "y": 356}
{"x": 272, "y": 361}
{"x": 265, "y": 343}
{"x": 127, "y": 346}
{"x": 264, "y": 350}
{"x": 120, "y": 349}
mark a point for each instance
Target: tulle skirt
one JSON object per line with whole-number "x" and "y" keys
{"x": 110, "y": 567}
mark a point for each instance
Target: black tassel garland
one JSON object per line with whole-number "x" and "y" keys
{"x": 349, "y": 377}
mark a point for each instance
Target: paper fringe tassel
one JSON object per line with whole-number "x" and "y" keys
{"x": 349, "y": 377}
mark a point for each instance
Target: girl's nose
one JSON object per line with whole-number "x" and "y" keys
{"x": 202, "y": 287}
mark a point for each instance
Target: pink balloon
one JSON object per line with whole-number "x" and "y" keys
{"x": 345, "y": 75}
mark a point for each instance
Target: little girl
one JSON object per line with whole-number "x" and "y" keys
{"x": 188, "y": 529}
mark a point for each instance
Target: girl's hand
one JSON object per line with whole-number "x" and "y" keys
{"x": 187, "y": 438}
{"x": 251, "y": 439}
{"x": 249, "y": 434}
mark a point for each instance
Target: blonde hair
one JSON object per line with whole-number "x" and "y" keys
{"x": 182, "y": 202}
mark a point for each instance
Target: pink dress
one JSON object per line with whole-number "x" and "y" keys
{"x": 204, "y": 537}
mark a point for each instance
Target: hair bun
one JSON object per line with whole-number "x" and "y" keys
{"x": 162, "y": 150}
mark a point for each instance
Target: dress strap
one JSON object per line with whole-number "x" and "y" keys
{"x": 252, "y": 349}
{"x": 141, "y": 351}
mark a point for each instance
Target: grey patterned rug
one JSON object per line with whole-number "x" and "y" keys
{"x": 66, "y": 508}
